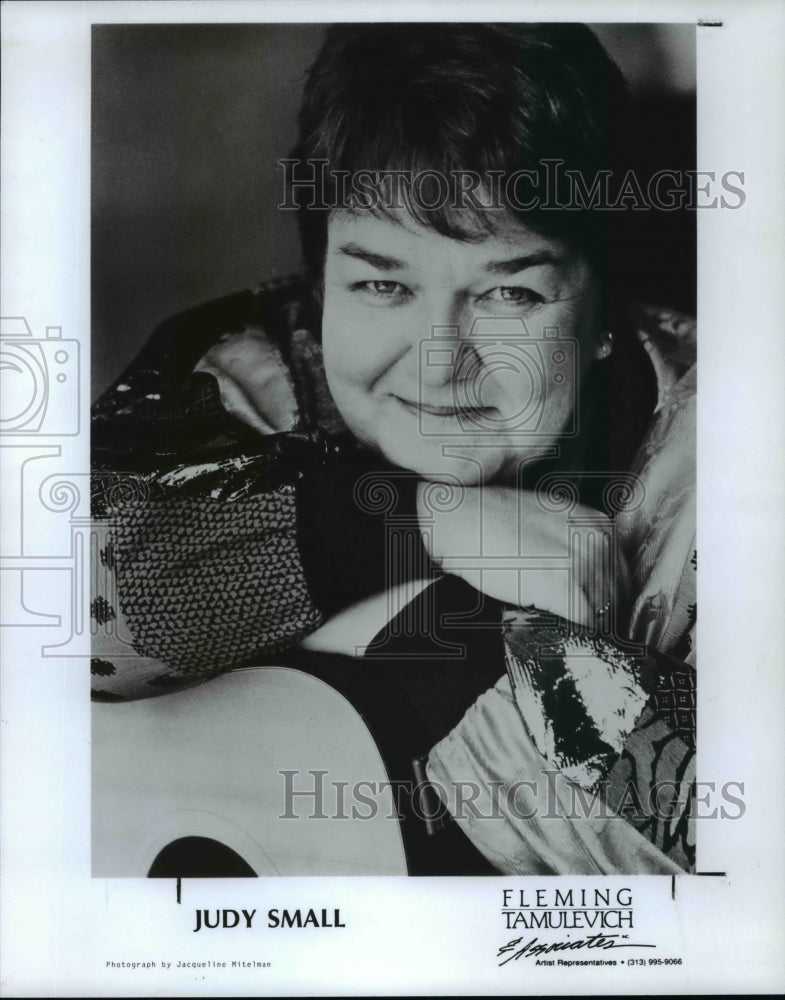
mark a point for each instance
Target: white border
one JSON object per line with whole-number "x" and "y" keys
{"x": 422, "y": 936}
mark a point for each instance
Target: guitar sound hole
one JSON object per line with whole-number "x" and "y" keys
{"x": 199, "y": 857}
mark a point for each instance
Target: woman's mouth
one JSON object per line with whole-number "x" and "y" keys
{"x": 432, "y": 410}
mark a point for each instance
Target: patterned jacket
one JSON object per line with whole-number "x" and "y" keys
{"x": 228, "y": 536}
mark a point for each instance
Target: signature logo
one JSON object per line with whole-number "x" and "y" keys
{"x": 533, "y": 948}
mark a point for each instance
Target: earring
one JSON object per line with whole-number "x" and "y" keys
{"x": 607, "y": 344}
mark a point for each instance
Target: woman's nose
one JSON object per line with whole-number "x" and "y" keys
{"x": 444, "y": 346}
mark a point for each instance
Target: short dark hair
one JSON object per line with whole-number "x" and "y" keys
{"x": 463, "y": 97}
{"x": 488, "y": 97}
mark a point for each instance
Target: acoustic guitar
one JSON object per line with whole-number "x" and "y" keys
{"x": 216, "y": 763}
{"x": 315, "y": 767}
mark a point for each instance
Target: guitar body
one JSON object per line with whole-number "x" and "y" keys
{"x": 214, "y": 762}
{"x": 207, "y": 763}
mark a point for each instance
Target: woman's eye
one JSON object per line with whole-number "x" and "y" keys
{"x": 513, "y": 295}
{"x": 392, "y": 291}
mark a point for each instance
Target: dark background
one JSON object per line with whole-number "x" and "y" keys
{"x": 188, "y": 122}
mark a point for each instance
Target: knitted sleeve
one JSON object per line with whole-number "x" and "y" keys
{"x": 216, "y": 546}
{"x": 204, "y": 568}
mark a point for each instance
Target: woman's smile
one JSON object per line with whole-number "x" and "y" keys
{"x": 450, "y": 410}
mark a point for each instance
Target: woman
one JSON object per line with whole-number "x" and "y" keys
{"x": 434, "y": 426}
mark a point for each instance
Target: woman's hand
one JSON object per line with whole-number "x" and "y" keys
{"x": 504, "y": 543}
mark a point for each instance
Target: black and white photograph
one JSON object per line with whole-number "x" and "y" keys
{"x": 422, "y": 502}
{"x": 356, "y": 465}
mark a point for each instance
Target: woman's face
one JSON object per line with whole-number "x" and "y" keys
{"x": 452, "y": 358}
